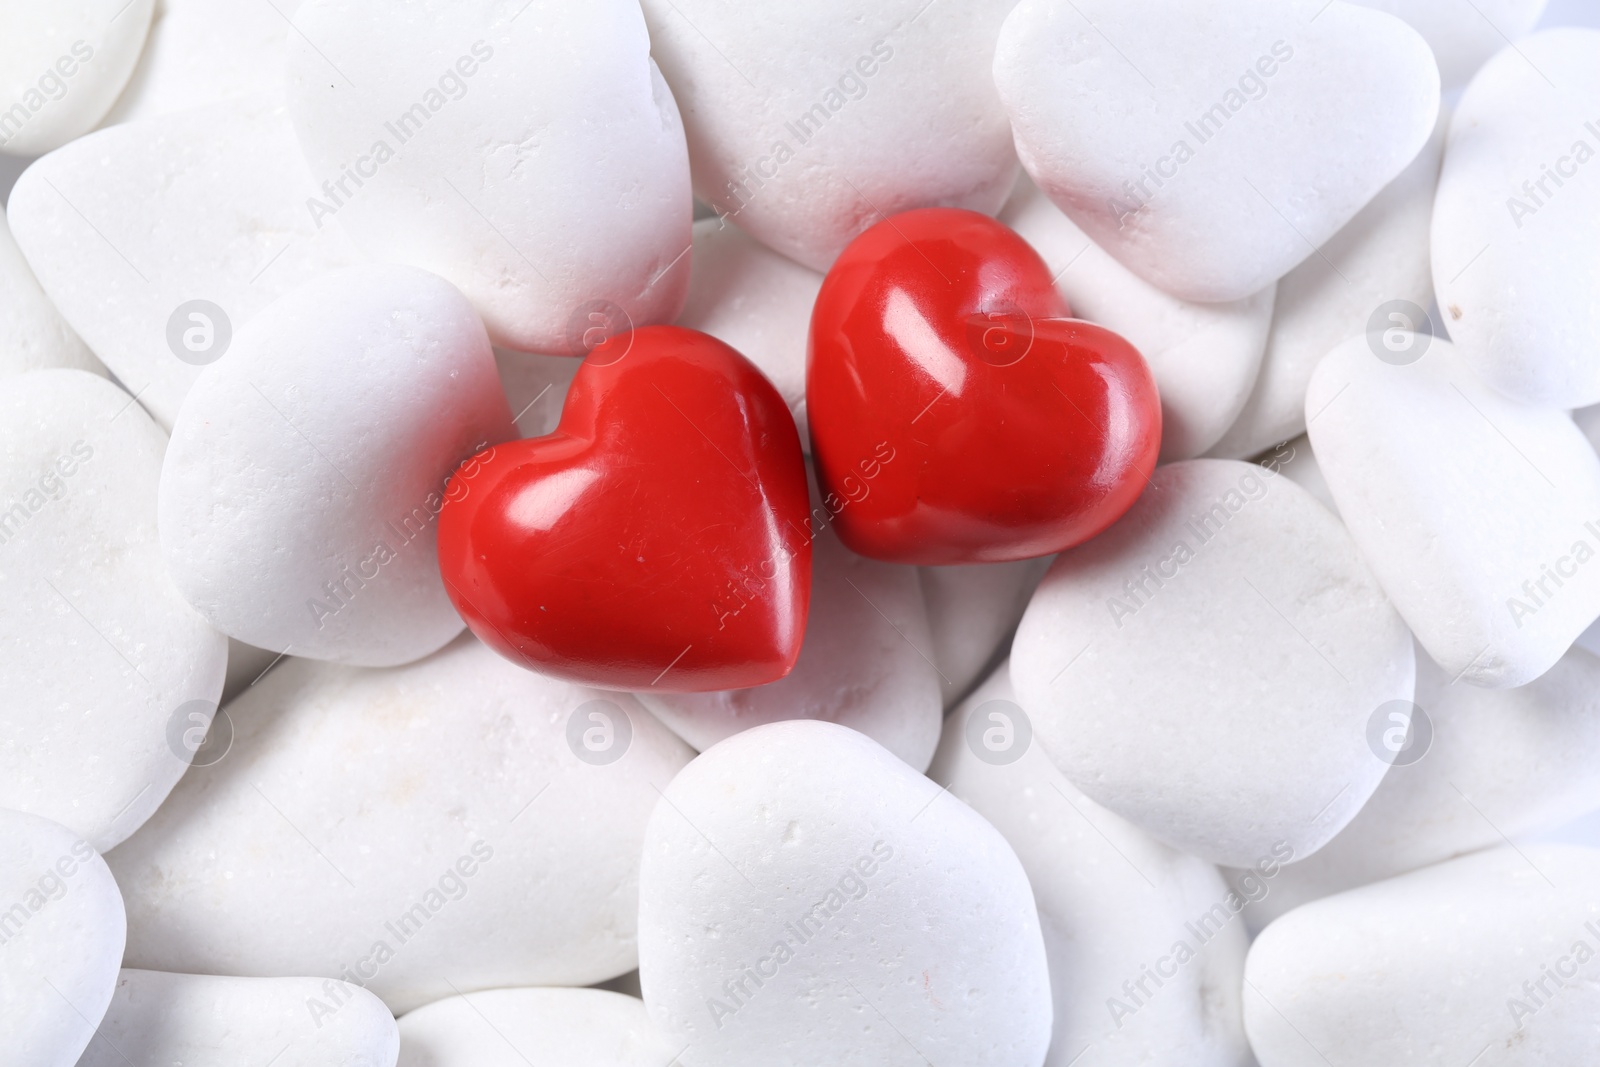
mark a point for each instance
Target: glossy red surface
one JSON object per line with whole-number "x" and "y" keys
{"x": 657, "y": 539}
{"x": 1016, "y": 431}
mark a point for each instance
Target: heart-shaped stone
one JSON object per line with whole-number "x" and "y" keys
{"x": 744, "y": 293}
{"x": 866, "y": 663}
{"x": 1204, "y": 356}
{"x": 1147, "y": 656}
{"x": 1488, "y": 957}
{"x": 1372, "y": 275}
{"x": 972, "y": 610}
{"x": 807, "y": 123}
{"x": 533, "y": 1028}
{"x": 62, "y": 65}
{"x": 1516, "y": 259}
{"x": 300, "y": 494}
{"x": 873, "y": 922}
{"x": 1486, "y": 763}
{"x": 1213, "y": 147}
{"x": 451, "y": 825}
{"x": 33, "y": 335}
{"x": 217, "y": 228}
{"x": 62, "y": 935}
{"x": 1463, "y": 40}
{"x": 658, "y": 539}
{"x": 106, "y": 667}
{"x": 530, "y": 152}
{"x": 209, "y": 1021}
{"x": 1145, "y": 944}
{"x": 939, "y": 340}
{"x": 1479, "y": 515}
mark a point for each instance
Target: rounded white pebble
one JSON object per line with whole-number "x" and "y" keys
{"x": 873, "y": 922}
{"x": 533, "y": 1028}
{"x": 301, "y": 493}
{"x": 973, "y": 609}
{"x": 33, "y": 335}
{"x": 1207, "y": 666}
{"x": 1462, "y": 40}
{"x": 105, "y": 666}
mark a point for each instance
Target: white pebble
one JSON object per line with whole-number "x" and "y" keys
{"x": 1462, "y": 40}
{"x": 972, "y": 610}
{"x": 33, "y": 335}
{"x": 533, "y": 1028}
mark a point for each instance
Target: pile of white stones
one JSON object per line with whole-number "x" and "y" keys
{"x": 1259, "y": 775}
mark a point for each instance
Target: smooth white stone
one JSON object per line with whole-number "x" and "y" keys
{"x": 61, "y": 936}
{"x": 1102, "y": 91}
{"x": 351, "y": 808}
{"x": 128, "y": 224}
{"x": 535, "y": 387}
{"x": 298, "y": 520}
{"x": 33, "y": 335}
{"x": 194, "y": 1020}
{"x": 99, "y": 652}
{"x": 743, "y": 293}
{"x": 1463, "y": 38}
{"x": 204, "y": 52}
{"x": 866, "y": 663}
{"x": 1256, "y": 619}
{"x": 1204, "y": 356}
{"x": 887, "y": 924}
{"x": 62, "y": 64}
{"x": 972, "y": 610}
{"x": 533, "y": 1028}
{"x": 1436, "y": 968}
{"x": 1510, "y": 762}
{"x": 1516, "y": 265}
{"x": 1462, "y": 501}
{"x": 550, "y": 182}
{"x": 808, "y": 123}
{"x": 1114, "y": 905}
{"x": 1379, "y": 256}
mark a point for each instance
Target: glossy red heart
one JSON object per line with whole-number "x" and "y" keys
{"x": 1017, "y": 431}
{"x": 657, "y": 539}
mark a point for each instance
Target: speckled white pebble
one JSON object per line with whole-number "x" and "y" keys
{"x": 533, "y": 1028}
{"x": 61, "y": 937}
{"x": 33, "y": 335}
{"x": 1206, "y": 667}
{"x": 195, "y": 1020}
{"x": 1145, "y": 943}
{"x": 105, "y": 666}
{"x": 1480, "y": 516}
{"x": 419, "y": 831}
{"x": 1184, "y": 141}
{"x": 809, "y": 122}
{"x": 300, "y": 496}
{"x": 872, "y": 922}
{"x": 452, "y": 137}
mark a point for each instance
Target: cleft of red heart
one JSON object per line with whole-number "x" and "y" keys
{"x": 1018, "y": 431}
{"x": 658, "y": 539}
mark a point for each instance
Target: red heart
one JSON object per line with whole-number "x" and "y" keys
{"x": 1017, "y": 431}
{"x": 657, "y": 539}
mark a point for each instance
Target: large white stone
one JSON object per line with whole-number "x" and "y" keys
{"x": 1488, "y": 960}
{"x": 1213, "y": 146}
{"x": 531, "y": 153}
{"x": 744, "y": 293}
{"x": 194, "y": 1020}
{"x": 1463, "y": 34}
{"x": 62, "y": 64}
{"x": 533, "y": 1028}
{"x": 807, "y": 898}
{"x": 1145, "y": 944}
{"x": 419, "y": 831}
{"x": 1516, "y": 241}
{"x": 1206, "y": 667}
{"x": 127, "y": 226}
{"x": 300, "y": 495}
{"x": 1480, "y": 516}
{"x": 866, "y": 663}
{"x": 1361, "y": 274}
{"x": 33, "y": 335}
{"x": 1204, "y": 356}
{"x": 101, "y": 656}
{"x": 972, "y": 610}
{"x": 61, "y": 935}
{"x": 810, "y": 122}
{"x": 1508, "y": 762}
